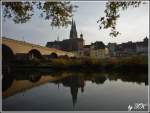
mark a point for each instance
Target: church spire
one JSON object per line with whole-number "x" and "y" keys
{"x": 72, "y": 24}
{"x": 73, "y": 31}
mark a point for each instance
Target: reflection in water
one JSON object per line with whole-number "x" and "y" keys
{"x": 11, "y": 83}
{"x": 74, "y": 82}
{"x": 34, "y": 78}
{"x": 99, "y": 80}
{"x": 7, "y": 81}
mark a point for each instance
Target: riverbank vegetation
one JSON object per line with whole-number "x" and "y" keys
{"x": 115, "y": 63}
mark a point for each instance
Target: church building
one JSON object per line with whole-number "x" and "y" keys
{"x": 73, "y": 44}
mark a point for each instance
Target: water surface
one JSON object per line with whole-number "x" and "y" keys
{"x": 96, "y": 91}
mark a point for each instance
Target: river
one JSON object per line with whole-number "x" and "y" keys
{"x": 46, "y": 90}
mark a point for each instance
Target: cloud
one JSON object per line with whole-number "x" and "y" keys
{"x": 133, "y": 24}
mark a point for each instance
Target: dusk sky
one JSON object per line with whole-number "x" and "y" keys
{"x": 133, "y": 25}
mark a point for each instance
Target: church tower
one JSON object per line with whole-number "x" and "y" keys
{"x": 73, "y": 31}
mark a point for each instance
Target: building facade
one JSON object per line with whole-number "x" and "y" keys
{"x": 142, "y": 47}
{"x": 87, "y": 50}
{"x": 98, "y": 50}
{"x": 128, "y": 48}
{"x": 112, "y": 47}
{"x": 73, "y": 44}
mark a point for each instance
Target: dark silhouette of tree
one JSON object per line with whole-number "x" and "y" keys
{"x": 59, "y": 13}
{"x": 112, "y": 13}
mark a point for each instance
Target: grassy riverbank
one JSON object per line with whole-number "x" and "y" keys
{"x": 117, "y": 63}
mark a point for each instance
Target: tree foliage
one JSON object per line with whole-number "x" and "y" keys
{"x": 112, "y": 13}
{"x": 59, "y": 13}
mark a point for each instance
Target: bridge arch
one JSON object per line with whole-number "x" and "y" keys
{"x": 7, "y": 54}
{"x": 53, "y": 55}
{"x": 34, "y": 54}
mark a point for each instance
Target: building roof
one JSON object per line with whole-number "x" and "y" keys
{"x": 87, "y": 46}
{"x": 128, "y": 45}
{"x": 98, "y": 45}
{"x": 142, "y": 43}
{"x": 53, "y": 43}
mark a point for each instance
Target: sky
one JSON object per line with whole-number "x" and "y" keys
{"x": 133, "y": 25}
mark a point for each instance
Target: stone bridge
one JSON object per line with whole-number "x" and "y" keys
{"x": 11, "y": 47}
